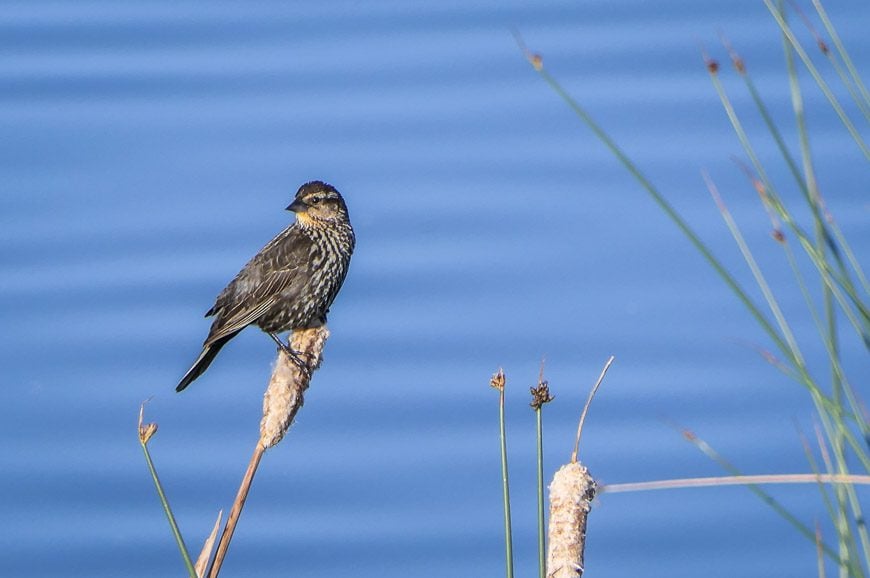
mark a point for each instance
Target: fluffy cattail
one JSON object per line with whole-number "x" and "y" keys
{"x": 571, "y": 494}
{"x": 285, "y": 393}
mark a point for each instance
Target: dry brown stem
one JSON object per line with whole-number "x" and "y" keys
{"x": 571, "y": 494}
{"x": 588, "y": 403}
{"x": 202, "y": 561}
{"x": 737, "y": 481}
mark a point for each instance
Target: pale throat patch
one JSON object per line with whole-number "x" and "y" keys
{"x": 304, "y": 218}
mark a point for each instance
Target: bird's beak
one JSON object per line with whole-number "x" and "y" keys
{"x": 297, "y": 206}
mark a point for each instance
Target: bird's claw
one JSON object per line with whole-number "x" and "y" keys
{"x": 293, "y": 355}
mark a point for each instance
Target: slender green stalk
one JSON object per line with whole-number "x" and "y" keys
{"x": 540, "y": 396}
{"x": 666, "y": 207}
{"x": 820, "y": 554}
{"x": 823, "y": 490}
{"x": 839, "y": 409}
{"x": 838, "y": 242}
{"x": 781, "y": 344}
{"x": 830, "y": 277}
{"x": 498, "y": 382}
{"x": 813, "y": 200}
{"x": 756, "y": 272}
{"x": 833, "y": 355}
{"x": 845, "y": 495}
{"x": 179, "y": 540}
{"x": 508, "y": 539}
{"x": 832, "y": 59}
{"x": 850, "y": 256}
{"x": 777, "y": 136}
{"x": 817, "y": 396}
{"x": 542, "y": 552}
{"x": 771, "y": 199}
{"x": 828, "y": 332}
{"x": 841, "y": 49}
{"x": 823, "y": 243}
{"x": 821, "y": 265}
{"x": 850, "y": 86}
{"x": 823, "y": 86}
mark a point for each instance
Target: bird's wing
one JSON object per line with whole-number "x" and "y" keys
{"x": 243, "y": 302}
{"x": 248, "y": 308}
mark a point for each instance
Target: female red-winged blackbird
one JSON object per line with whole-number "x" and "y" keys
{"x": 291, "y": 282}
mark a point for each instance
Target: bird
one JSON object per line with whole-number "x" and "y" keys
{"x": 291, "y": 283}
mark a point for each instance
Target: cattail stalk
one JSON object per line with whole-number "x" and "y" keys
{"x": 285, "y": 393}
{"x": 284, "y": 397}
{"x": 571, "y": 494}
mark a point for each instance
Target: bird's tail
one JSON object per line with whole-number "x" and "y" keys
{"x": 202, "y": 362}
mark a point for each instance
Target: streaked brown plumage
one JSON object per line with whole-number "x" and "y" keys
{"x": 291, "y": 282}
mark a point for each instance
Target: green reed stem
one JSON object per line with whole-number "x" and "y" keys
{"x": 179, "y": 540}
{"x": 823, "y": 86}
{"x": 841, "y": 49}
{"x": 666, "y": 207}
{"x": 508, "y": 539}
{"x": 542, "y": 553}
{"x": 830, "y": 277}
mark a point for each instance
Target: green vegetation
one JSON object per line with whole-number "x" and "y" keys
{"x": 835, "y": 295}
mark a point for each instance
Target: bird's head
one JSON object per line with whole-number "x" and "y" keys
{"x": 318, "y": 202}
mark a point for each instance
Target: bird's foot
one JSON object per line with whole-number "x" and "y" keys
{"x": 293, "y": 355}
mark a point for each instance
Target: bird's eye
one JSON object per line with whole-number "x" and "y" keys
{"x": 316, "y": 199}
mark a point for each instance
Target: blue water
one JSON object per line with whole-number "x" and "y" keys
{"x": 148, "y": 150}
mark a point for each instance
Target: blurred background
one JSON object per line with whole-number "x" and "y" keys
{"x": 148, "y": 151}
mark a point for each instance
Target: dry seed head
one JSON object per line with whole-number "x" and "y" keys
{"x": 146, "y": 431}
{"x": 736, "y": 60}
{"x": 540, "y": 395}
{"x": 497, "y": 381}
{"x": 712, "y": 65}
